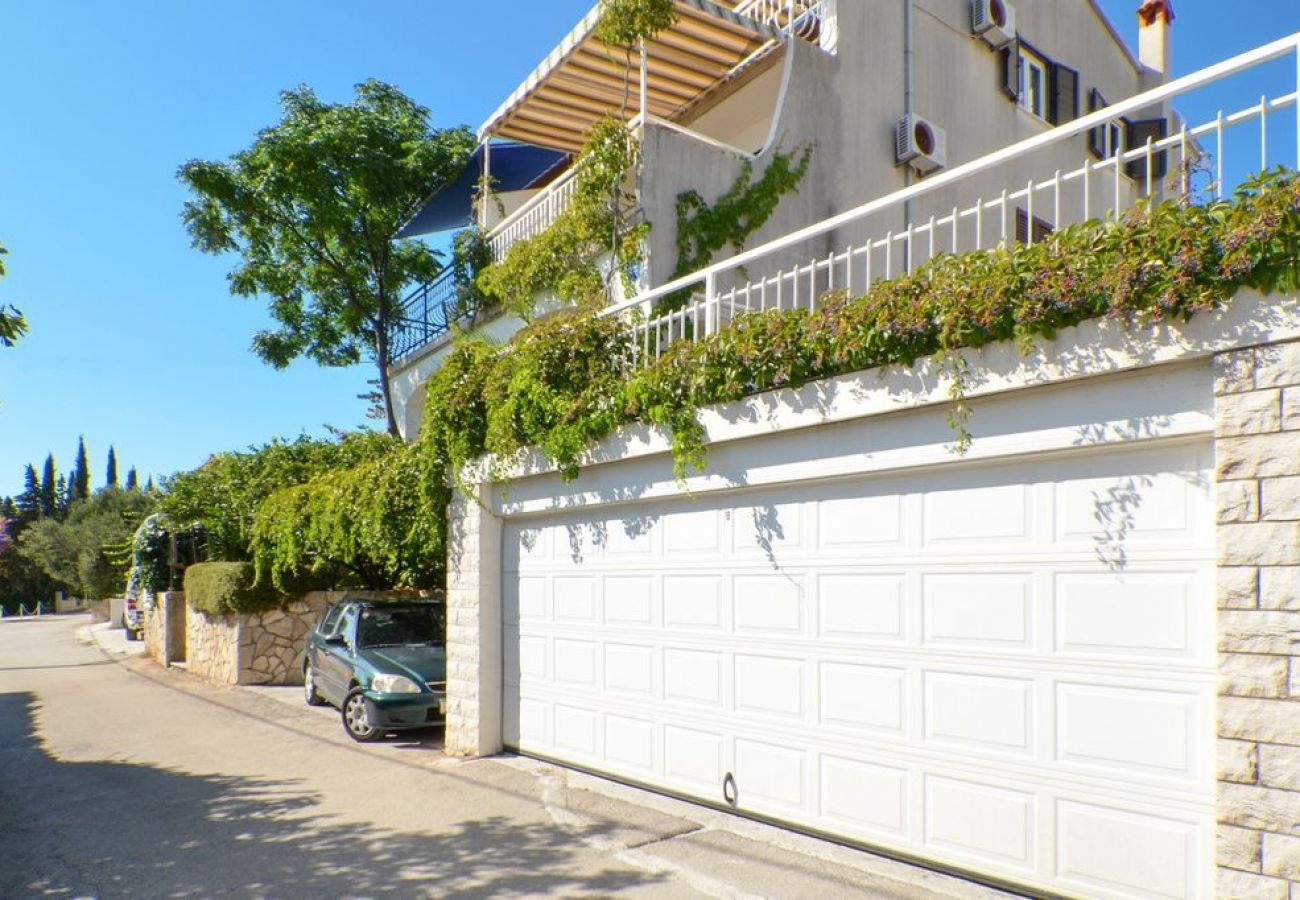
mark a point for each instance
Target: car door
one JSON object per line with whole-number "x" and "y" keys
{"x": 334, "y": 658}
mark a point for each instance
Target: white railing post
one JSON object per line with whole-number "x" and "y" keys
{"x": 710, "y": 293}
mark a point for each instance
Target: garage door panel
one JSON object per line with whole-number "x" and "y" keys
{"x": 983, "y": 665}
{"x": 1157, "y": 615}
{"x": 861, "y": 607}
{"x": 973, "y": 610}
{"x": 980, "y": 712}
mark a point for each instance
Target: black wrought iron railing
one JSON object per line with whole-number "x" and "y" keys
{"x": 429, "y": 312}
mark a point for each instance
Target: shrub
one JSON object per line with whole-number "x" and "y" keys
{"x": 226, "y": 588}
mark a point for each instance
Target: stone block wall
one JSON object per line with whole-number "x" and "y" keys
{"x": 212, "y": 645}
{"x": 473, "y": 629}
{"x": 1257, "y": 449}
{"x": 154, "y": 630}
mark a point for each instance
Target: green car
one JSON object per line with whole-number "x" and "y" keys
{"x": 383, "y": 663}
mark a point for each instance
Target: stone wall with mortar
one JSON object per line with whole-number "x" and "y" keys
{"x": 473, "y": 629}
{"x": 260, "y": 648}
{"x": 1257, "y": 448}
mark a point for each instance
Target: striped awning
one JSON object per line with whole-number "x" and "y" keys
{"x": 583, "y": 80}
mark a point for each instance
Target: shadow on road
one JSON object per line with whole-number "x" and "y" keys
{"x": 117, "y": 828}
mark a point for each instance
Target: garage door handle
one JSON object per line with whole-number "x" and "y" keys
{"x": 729, "y": 792}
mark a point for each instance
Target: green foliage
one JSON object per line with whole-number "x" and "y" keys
{"x": 563, "y": 259}
{"x": 560, "y": 385}
{"x": 79, "y": 550}
{"x": 223, "y": 494}
{"x": 365, "y": 526}
{"x": 12, "y": 324}
{"x": 703, "y": 229}
{"x": 625, "y": 23}
{"x": 227, "y": 588}
{"x": 310, "y": 208}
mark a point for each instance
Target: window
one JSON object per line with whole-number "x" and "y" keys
{"x": 1103, "y": 141}
{"x": 331, "y": 619}
{"x": 1042, "y": 228}
{"x": 1033, "y": 82}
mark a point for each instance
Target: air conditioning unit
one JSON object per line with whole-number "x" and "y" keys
{"x": 921, "y": 144}
{"x": 994, "y": 21}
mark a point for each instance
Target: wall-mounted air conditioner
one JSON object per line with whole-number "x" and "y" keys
{"x": 921, "y": 144}
{"x": 994, "y": 21}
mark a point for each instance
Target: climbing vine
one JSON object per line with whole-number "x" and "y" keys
{"x": 703, "y": 228}
{"x": 564, "y": 259}
{"x": 563, "y": 383}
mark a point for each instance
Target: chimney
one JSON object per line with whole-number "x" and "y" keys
{"x": 1155, "y": 41}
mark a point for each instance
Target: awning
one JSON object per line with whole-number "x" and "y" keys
{"x": 514, "y": 167}
{"x": 583, "y": 80}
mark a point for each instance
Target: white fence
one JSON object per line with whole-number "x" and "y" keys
{"x": 535, "y": 216}
{"x": 1098, "y": 189}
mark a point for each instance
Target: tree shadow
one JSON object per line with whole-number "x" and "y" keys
{"x": 117, "y": 828}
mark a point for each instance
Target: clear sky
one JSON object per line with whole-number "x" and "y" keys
{"x": 135, "y": 339}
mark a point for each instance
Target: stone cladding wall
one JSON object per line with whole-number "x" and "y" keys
{"x": 1257, "y": 451}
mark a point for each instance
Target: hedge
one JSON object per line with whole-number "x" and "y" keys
{"x": 226, "y": 588}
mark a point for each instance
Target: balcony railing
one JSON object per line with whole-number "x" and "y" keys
{"x": 535, "y": 216}
{"x": 428, "y": 313}
{"x": 879, "y": 246}
{"x": 797, "y": 18}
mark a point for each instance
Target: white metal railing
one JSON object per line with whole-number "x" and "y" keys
{"x": 1099, "y": 188}
{"x": 536, "y": 215}
{"x": 798, "y": 18}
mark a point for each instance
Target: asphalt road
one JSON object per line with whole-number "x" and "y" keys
{"x": 120, "y": 779}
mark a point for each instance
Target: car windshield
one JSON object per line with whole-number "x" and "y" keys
{"x": 401, "y": 625}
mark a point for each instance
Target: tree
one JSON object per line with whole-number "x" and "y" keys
{"x": 75, "y": 551}
{"x": 79, "y": 482}
{"x": 29, "y": 502}
{"x": 311, "y": 207}
{"x": 132, "y": 479}
{"x": 12, "y": 324}
{"x": 110, "y": 469}
{"x": 51, "y": 489}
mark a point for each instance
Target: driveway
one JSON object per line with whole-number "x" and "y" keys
{"x": 118, "y": 778}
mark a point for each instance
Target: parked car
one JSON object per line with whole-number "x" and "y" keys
{"x": 383, "y": 663}
{"x": 133, "y": 618}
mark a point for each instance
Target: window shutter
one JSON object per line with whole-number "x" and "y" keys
{"x": 1011, "y": 70}
{"x": 1064, "y": 106}
{"x": 1138, "y": 134}
{"x": 1097, "y": 136}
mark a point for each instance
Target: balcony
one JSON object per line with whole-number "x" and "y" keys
{"x": 580, "y": 83}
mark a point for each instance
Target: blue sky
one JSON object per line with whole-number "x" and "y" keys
{"x": 135, "y": 340}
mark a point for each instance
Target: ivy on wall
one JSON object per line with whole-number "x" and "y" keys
{"x": 563, "y": 259}
{"x": 570, "y": 380}
{"x": 703, "y": 228}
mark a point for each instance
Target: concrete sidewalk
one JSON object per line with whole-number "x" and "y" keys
{"x": 699, "y": 850}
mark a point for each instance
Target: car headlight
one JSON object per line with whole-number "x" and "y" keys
{"x": 394, "y": 684}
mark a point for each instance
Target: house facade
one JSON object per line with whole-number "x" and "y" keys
{"x": 725, "y": 88}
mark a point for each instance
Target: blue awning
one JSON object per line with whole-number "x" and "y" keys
{"x": 514, "y": 167}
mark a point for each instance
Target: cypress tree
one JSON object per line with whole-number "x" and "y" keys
{"x": 132, "y": 479}
{"x": 110, "y": 470}
{"x": 51, "y": 492}
{"x": 63, "y": 496}
{"x": 29, "y": 501}
{"x": 81, "y": 473}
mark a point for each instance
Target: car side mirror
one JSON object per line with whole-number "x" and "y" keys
{"x": 336, "y": 640}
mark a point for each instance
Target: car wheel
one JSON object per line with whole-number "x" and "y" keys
{"x": 310, "y": 694}
{"x": 356, "y": 721}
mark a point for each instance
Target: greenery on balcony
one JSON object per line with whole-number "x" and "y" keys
{"x": 568, "y": 381}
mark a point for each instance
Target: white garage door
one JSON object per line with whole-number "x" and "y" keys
{"x": 1003, "y": 668}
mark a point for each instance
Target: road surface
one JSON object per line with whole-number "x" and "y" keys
{"x": 121, "y": 779}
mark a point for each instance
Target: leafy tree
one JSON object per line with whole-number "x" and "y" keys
{"x": 132, "y": 480}
{"x": 311, "y": 208}
{"x": 79, "y": 483}
{"x": 6, "y": 541}
{"x": 12, "y": 324}
{"x": 52, "y": 488}
{"x": 223, "y": 494}
{"x": 76, "y": 551}
{"x": 110, "y": 469}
